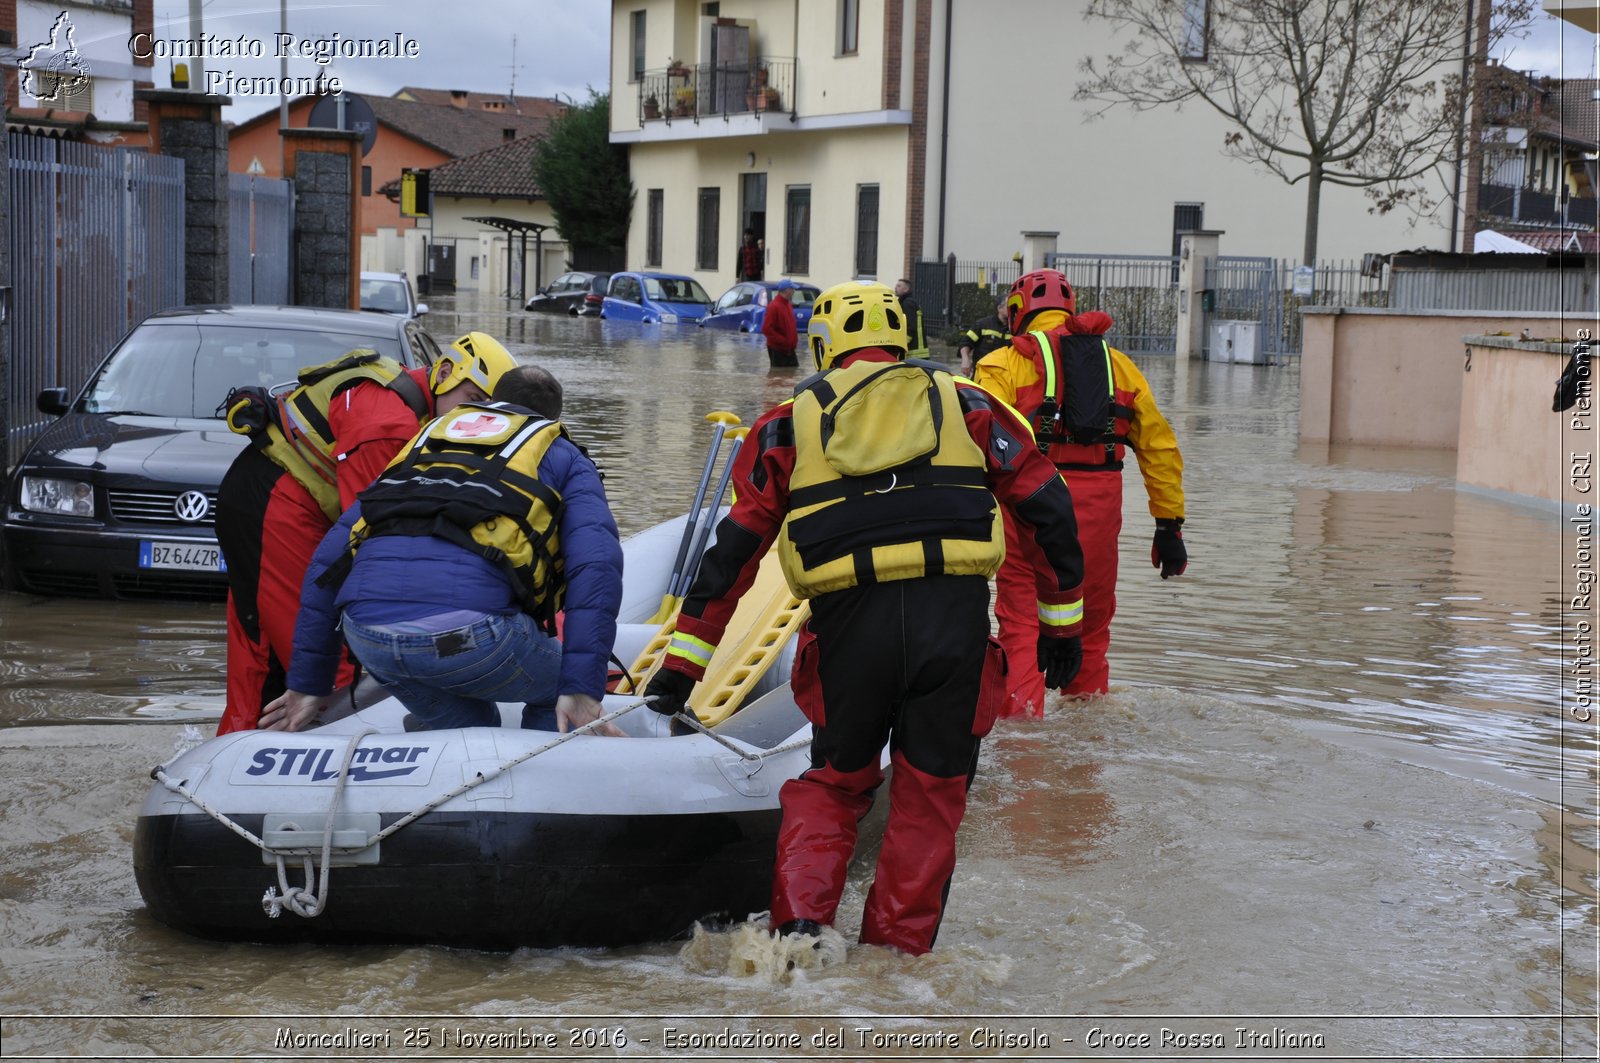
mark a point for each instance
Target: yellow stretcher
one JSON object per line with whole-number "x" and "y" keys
{"x": 766, "y": 617}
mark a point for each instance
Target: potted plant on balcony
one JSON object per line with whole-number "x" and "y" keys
{"x": 767, "y": 98}
{"x": 677, "y": 68}
{"x": 758, "y": 85}
{"x": 652, "y": 106}
{"x": 683, "y": 101}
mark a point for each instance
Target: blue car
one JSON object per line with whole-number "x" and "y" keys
{"x": 744, "y": 306}
{"x": 655, "y": 298}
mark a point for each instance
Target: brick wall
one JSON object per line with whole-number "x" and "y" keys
{"x": 917, "y": 149}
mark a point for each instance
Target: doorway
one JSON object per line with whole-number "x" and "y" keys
{"x": 753, "y": 207}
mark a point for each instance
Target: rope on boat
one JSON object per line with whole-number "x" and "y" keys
{"x": 305, "y": 901}
{"x": 308, "y": 902}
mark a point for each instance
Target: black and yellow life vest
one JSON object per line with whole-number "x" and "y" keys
{"x": 887, "y": 483}
{"x": 472, "y": 478}
{"x": 292, "y": 427}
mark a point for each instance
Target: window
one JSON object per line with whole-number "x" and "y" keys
{"x": 636, "y": 33}
{"x": 706, "y": 243}
{"x": 653, "y": 222}
{"x": 1185, "y": 218}
{"x": 1196, "y": 24}
{"x": 849, "y": 26}
{"x": 797, "y": 230}
{"x": 867, "y": 231}
{"x": 366, "y": 180}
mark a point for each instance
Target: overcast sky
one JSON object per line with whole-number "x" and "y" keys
{"x": 561, "y": 45}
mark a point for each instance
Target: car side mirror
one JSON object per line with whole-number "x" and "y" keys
{"x": 53, "y": 401}
{"x": 422, "y": 308}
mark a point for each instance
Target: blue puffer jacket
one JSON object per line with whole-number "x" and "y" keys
{"x": 400, "y": 578}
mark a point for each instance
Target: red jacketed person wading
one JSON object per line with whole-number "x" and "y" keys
{"x": 1059, "y": 363}
{"x": 889, "y": 523}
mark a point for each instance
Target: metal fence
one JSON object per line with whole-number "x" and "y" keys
{"x": 1140, "y": 292}
{"x": 260, "y": 240}
{"x": 760, "y": 85}
{"x": 957, "y": 293}
{"x": 1272, "y": 292}
{"x": 1569, "y": 290}
{"x": 96, "y": 245}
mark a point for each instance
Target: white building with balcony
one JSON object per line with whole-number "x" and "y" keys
{"x": 858, "y": 137}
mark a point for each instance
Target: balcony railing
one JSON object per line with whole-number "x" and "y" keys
{"x": 1535, "y": 208}
{"x": 709, "y": 90}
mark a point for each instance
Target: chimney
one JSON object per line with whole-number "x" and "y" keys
{"x": 458, "y": 97}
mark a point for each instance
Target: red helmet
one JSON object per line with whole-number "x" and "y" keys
{"x": 1043, "y": 289}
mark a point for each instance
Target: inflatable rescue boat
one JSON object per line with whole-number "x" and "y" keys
{"x": 496, "y": 837}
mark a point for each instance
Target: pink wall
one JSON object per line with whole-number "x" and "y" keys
{"x": 1394, "y": 377}
{"x": 1399, "y": 378}
{"x": 1510, "y": 438}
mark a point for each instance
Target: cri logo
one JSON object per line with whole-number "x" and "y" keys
{"x": 471, "y": 426}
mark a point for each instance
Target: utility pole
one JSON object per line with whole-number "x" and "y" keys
{"x": 197, "y": 64}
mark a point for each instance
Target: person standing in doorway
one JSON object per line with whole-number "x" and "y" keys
{"x": 778, "y": 326}
{"x": 751, "y": 254}
{"x": 1088, "y": 403}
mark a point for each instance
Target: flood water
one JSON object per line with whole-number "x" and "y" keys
{"x": 1334, "y": 805}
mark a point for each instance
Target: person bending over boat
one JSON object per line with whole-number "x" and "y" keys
{"x": 309, "y": 455}
{"x": 449, "y": 570}
{"x": 879, "y": 482}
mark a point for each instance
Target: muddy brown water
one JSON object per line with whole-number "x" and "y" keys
{"x": 1334, "y": 805}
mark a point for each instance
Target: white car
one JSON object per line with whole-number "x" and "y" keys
{"x": 390, "y": 293}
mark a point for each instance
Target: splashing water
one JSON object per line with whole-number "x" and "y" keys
{"x": 750, "y": 950}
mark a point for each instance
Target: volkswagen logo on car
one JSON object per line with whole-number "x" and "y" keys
{"x": 191, "y": 507}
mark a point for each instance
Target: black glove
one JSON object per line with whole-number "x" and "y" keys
{"x": 1059, "y": 660}
{"x": 1168, "y": 552}
{"x": 670, "y": 690}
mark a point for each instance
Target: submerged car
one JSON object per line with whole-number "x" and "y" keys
{"x": 655, "y": 298}
{"x": 390, "y": 293}
{"x": 577, "y": 293}
{"x": 117, "y": 497}
{"x": 744, "y": 306}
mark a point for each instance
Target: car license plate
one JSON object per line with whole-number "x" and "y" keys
{"x": 190, "y": 557}
{"x": 669, "y": 319}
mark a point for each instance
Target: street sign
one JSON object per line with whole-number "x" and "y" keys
{"x": 414, "y": 193}
{"x": 255, "y": 169}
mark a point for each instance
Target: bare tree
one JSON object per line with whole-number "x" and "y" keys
{"x": 1357, "y": 93}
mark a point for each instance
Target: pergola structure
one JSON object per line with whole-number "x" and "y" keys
{"x": 513, "y": 228}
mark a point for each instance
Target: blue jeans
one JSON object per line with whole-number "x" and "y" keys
{"x": 454, "y": 678}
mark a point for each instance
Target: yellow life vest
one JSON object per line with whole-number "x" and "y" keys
{"x": 292, "y": 428}
{"x": 887, "y": 483}
{"x": 472, "y": 478}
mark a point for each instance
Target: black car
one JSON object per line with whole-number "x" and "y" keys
{"x": 117, "y": 497}
{"x": 572, "y": 293}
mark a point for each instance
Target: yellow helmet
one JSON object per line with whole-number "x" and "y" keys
{"x": 853, "y": 315}
{"x": 476, "y": 358}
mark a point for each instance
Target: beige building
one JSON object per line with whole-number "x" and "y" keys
{"x": 861, "y": 136}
